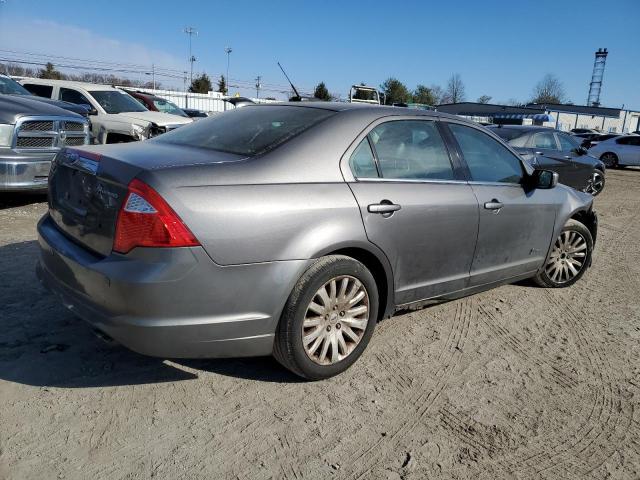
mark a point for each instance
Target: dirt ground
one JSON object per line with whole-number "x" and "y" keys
{"x": 519, "y": 382}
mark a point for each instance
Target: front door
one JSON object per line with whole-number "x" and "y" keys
{"x": 415, "y": 209}
{"x": 550, "y": 157}
{"x": 516, "y": 225}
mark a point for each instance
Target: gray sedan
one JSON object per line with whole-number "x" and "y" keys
{"x": 292, "y": 229}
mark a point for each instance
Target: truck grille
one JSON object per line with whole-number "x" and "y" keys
{"x": 35, "y": 126}
{"x": 35, "y": 133}
{"x": 35, "y": 142}
{"x": 73, "y": 126}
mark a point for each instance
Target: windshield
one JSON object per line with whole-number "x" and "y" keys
{"x": 165, "y": 106}
{"x": 247, "y": 131}
{"x": 10, "y": 87}
{"x": 115, "y": 101}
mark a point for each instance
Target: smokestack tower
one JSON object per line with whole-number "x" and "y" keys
{"x": 596, "y": 78}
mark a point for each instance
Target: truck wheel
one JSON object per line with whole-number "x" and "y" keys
{"x": 570, "y": 257}
{"x": 328, "y": 319}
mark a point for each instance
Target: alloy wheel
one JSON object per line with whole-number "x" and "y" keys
{"x": 567, "y": 258}
{"x": 610, "y": 160}
{"x": 336, "y": 320}
{"x": 596, "y": 183}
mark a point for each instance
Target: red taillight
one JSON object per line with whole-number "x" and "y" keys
{"x": 146, "y": 220}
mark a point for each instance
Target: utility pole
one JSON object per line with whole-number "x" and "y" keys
{"x": 258, "y": 86}
{"x": 228, "y": 51}
{"x": 191, "y": 32}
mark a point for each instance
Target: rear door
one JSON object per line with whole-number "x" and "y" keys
{"x": 516, "y": 226}
{"x": 416, "y": 207}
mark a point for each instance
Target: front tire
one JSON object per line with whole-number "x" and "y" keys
{"x": 328, "y": 319}
{"x": 569, "y": 259}
{"x": 596, "y": 183}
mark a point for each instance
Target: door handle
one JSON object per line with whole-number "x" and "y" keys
{"x": 539, "y": 153}
{"x": 494, "y": 205}
{"x": 385, "y": 207}
{"x": 568, "y": 157}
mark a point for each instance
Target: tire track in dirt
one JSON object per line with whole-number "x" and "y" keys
{"x": 421, "y": 398}
{"x": 589, "y": 446}
{"x": 547, "y": 366}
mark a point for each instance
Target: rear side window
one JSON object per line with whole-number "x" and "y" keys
{"x": 362, "y": 162}
{"x": 488, "y": 160}
{"x": 39, "y": 90}
{"x": 249, "y": 130}
{"x": 411, "y": 149}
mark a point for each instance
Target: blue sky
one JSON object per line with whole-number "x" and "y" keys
{"x": 500, "y": 48}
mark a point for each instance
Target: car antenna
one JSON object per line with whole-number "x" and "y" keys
{"x": 297, "y": 98}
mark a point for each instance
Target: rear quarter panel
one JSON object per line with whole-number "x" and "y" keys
{"x": 239, "y": 224}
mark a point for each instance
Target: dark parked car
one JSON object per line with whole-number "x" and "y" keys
{"x": 195, "y": 114}
{"x": 291, "y": 229}
{"x": 584, "y": 130}
{"x": 157, "y": 104}
{"x": 554, "y": 150}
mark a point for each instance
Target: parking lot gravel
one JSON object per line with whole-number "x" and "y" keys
{"x": 517, "y": 382}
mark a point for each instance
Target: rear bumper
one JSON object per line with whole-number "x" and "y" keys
{"x": 170, "y": 303}
{"x": 21, "y": 172}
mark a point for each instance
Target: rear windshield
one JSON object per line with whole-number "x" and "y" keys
{"x": 248, "y": 130}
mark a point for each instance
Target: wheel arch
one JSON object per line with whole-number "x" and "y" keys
{"x": 379, "y": 266}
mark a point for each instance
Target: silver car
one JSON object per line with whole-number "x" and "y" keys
{"x": 291, "y": 229}
{"x": 619, "y": 151}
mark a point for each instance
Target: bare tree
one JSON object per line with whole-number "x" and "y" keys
{"x": 549, "y": 90}
{"x": 438, "y": 94}
{"x": 454, "y": 93}
{"x": 484, "y": 99}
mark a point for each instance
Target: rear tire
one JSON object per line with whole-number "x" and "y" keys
{"x": 328, "y": 319}
{"x": 569, "y": 259}
{"x": 610, "y": 160}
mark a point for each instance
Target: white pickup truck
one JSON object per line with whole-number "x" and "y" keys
{"x": 115, "y": 116}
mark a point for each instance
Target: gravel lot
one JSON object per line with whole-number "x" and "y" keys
{"x": 518, "y": 382}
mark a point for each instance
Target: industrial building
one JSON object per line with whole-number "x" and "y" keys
{"x": 562, "y": 117}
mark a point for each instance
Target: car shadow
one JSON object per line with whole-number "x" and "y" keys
{"x": 43, "y": 344}
{"x": 19, "y": 199}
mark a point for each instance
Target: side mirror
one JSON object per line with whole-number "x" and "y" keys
{"x": 92, "y": 111}
{"x": 545, "y": 179}
{"x": 581, "y": 150}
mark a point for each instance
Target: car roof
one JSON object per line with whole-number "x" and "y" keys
{"x": 368, "y": 109}
{"x": 69, "y": 83}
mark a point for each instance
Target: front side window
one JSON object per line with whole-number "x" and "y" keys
{"x": 544, "y": 141}
{"x": 249, "y": 130}
{"x": 566, "y": 142}
{"x": 116, "y": 101}
{"x": 168, "y": 107}
{"x": 411, "y": 149}
{"x": 73, "y": 96}
{"x": 488, "y": 160}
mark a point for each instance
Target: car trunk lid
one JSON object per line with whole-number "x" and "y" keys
{"x": 88, "y": 186}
